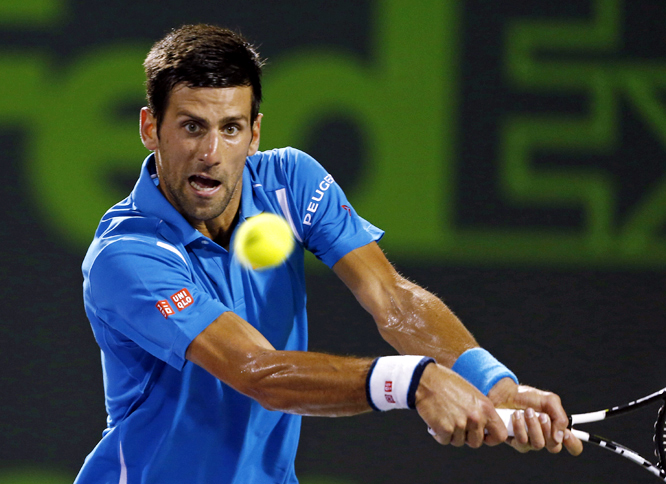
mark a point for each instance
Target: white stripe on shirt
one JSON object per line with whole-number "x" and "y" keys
{"x": 171, "y": 248}
{"x": 284, "y": 205}
{"x": 123, "y": 467}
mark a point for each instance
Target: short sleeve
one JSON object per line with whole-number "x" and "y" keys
{"x": 146, "y": 291}
{"x": 331, "y": 227}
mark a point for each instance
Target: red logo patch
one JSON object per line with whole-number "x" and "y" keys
{"x": 182, "y": 299}
{"x": 347, "y": 208}
{"x": 389, "y": 398}
{"x": 164, "y": 308}
{"x": 388, "y": 386}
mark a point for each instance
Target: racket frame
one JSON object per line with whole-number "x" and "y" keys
{"x": 583, "y": 418}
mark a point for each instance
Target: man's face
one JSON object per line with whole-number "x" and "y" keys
{"x": 200, "y": 152}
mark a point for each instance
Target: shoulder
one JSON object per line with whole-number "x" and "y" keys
{"x": 128, "y": 240}
{"x": 288, "y": 168}
{"x": 283, "y": 156}
{"x": 283, "y": 165}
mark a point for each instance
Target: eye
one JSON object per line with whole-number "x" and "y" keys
{"x": 231, "y": 130}
{"x": 191, "y": 127}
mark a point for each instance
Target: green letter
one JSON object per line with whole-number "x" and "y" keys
{"x": 405, "y": 102}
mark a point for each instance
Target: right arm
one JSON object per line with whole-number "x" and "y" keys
{"x": 300, "y": 382}
{"x": 319, "y": 384}
{"x": 309, "y": 383}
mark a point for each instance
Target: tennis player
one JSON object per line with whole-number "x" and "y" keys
{"x": 206, "y": 368}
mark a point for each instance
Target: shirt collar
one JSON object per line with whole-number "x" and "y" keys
{"x": 149, "y": 199}
{"x": 250, "y": 203}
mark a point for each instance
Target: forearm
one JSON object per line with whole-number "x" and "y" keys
{"x": 411, "y": 319}
{"x": 307, "y": 383}
{"x": 417, "y": 322}
{"x": 298, "y": 382}
{"x": 414, "y": 321}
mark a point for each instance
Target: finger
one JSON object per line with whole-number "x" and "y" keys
{"x": 459, "y": 436}
{"x": 495, "y": 431}
{"x": 520, "y": 441}
{"x": 534, "y": 430}
{"x": 544, "y": 402}
{"x": 443, "y": 438}
{"x": 519, "y": 428}
{"x": 572, "y": 443}
{"x": 559, "y": 420}
{"x": 546, "y": 428}
{"x": 475, "y": 435}
{"x": 522, "y": 448}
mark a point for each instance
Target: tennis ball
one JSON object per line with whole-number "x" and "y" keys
{"x": 263, "y": 241}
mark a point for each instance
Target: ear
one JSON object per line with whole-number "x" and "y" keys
{"x": 148, "y": 128}
{"x": 256, "y": 135}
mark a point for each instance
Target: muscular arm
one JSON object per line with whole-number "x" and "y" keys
{"x": 414, "y": 321}
{"x": 409, "y": 318}
{"x": 320, "y": 384}
{"x": 304, "y": 383}
{"x": 309, "y": 383}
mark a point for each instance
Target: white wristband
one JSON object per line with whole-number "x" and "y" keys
{"x": 392, "y": 381}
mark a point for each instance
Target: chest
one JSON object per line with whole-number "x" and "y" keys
{"x": 272, "y": 300}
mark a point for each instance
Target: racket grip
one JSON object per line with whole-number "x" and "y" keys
{"x": 506, "y": 414}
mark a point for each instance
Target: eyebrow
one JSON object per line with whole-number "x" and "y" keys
{"x": 199, "y": 119}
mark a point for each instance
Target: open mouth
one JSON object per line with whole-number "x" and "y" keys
{"x": 203, "y": 184}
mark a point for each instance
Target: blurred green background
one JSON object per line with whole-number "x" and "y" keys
{"x": 513, "y": 152}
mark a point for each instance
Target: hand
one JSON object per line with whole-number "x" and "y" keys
{"x": 549, "y": 430}
{"x": 457, "y": 412}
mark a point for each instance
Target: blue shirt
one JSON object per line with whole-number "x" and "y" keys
{"x": 152, "y": 283}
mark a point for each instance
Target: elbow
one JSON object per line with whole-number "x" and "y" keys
{"x": 390, "y": 323}
{"x": 400, "y": 315}
{"x": 269, "y": 402}
{"x": 394, "y": 330}
{"x": 263, "y": 396}
{"x": 394, "y": 318}
{"x": 260, "y": 382}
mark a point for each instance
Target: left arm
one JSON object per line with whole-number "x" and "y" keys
{"x": 415, "y": 321}
{"x": 409, "y": 318}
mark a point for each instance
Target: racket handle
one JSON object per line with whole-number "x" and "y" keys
{"x": 506, "y": 414}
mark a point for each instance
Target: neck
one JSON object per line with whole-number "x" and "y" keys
{"x": 221, "y": 227}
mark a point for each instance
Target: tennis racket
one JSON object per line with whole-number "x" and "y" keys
{"x": 659, "y": 430}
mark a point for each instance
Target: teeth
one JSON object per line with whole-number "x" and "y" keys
{"x": 196, "y": 186}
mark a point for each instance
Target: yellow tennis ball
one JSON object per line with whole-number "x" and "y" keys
{"x": 264, "y": 241}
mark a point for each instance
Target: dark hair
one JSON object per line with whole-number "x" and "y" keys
{"x": 201, "y": 56}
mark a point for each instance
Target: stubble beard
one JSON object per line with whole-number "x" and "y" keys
{"x": 193, "y": 211}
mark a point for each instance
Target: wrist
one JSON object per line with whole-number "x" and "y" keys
{"x": 392, "y": 381}
{"x": 503, "y": 392}
{"x": 482, "y": 369}
{"x": 428, "y": 383}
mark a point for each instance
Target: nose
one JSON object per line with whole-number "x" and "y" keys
{"x": 210, "y": 149}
